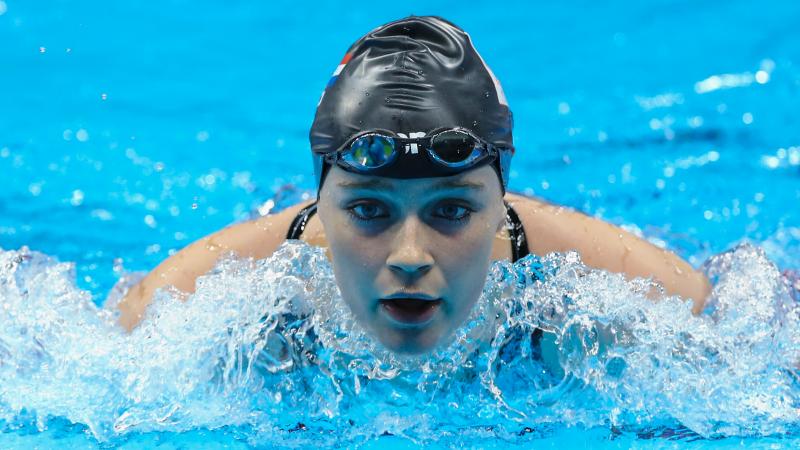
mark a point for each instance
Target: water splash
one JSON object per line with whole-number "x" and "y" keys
{"x": 268, "y": 348}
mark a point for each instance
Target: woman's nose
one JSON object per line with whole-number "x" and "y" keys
{"x": 409, "y": 254}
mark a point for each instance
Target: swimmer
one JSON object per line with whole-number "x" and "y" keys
{"x": 412, "y": 145}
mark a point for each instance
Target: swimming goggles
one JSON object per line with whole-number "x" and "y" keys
{"x": 448, "y": 151}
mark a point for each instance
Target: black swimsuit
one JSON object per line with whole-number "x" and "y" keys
{"x": 519, "y": 243}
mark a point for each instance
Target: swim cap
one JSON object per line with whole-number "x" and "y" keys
{"x": 411, "y": 76}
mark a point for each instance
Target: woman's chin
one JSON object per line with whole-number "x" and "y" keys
{"x": 411, "y": 341}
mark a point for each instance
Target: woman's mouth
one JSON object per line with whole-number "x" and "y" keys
{"x": 411, "y": 311}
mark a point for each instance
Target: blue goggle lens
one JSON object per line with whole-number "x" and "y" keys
{"x": 370, "y": 151}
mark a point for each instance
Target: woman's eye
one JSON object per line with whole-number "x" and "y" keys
{"x": 367, "y": 211}
{"x": 455, "y": 213}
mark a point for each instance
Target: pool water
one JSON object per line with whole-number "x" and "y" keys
{"x": 127, "y": 131}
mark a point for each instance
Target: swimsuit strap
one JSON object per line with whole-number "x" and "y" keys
{"x": 519, "y": 242}
{"x": 300, "y": 221}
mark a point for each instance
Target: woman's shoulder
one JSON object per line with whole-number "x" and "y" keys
{"x": 267, "y": 232}
{"x": 256, "y": 238}
{"x": 281, "y": 220}
{"x": 526, "y": 204}
{"x": 549, "y": 227}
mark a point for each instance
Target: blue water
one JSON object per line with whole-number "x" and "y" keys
{"x": 128, "y": 130}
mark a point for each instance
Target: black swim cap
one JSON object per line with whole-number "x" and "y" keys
{"x": 412, "y": 75}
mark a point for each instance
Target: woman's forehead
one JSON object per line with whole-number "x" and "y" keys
{"x": 478, "y": 180}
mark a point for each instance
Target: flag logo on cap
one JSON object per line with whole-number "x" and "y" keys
{"x": 339, "y": 68}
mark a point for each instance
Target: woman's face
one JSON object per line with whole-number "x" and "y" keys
{"x": 411, "y": 256}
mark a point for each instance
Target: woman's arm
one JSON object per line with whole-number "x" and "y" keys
{"x": 257, "y": 238}
{"x": 551, "y": 228}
